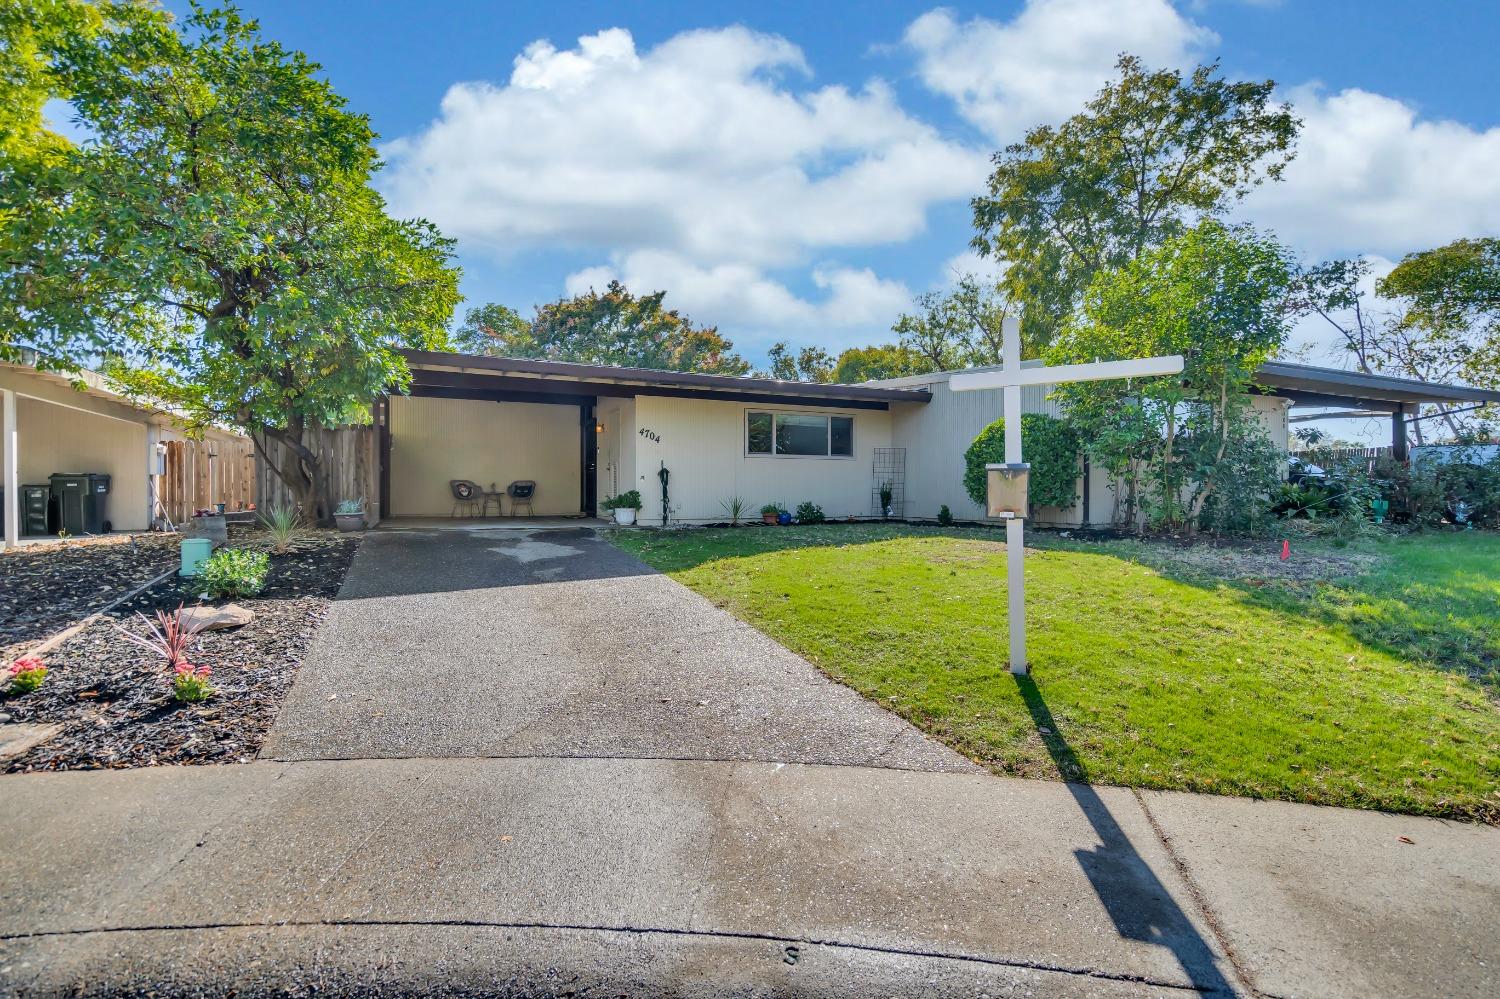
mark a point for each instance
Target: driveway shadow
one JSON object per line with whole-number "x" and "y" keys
{"x": 1141, "y": 907}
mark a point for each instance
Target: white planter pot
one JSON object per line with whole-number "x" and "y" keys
{"x": 624, "y": 516}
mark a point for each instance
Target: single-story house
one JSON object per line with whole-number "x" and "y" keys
{"x": 584, "y": 432}
{"x": 56, "y": 423}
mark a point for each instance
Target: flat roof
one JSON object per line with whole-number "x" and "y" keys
{"x": 481, "y": 373}
{"x": 1304, "y": 384}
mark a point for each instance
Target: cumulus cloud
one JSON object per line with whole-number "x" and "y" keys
{"x": 1042, "y": 65}
{"x": 849, "y": 299}
{"x": 1372, "y": 176}
{"x": 708, "y": 145}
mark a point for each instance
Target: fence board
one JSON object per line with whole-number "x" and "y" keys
{"x": 347, "y": 456}
{"x": 199, "y": 474}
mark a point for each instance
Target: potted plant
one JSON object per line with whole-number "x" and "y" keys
{"x": 350, "y": 515}
{"x": 624, "y": 506}
{"x": 768, "y": 513}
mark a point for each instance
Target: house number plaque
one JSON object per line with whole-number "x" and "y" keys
{"x": 650, "y": 435}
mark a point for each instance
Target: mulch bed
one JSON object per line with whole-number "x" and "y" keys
{"x": 115, "y": 697}
{"x": 46, "y": 587}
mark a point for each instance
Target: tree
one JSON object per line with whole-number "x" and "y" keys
{"x": 615, "y": 327}
{"x": 496, "y": 331}
{"x": 1333, "y": 292}
{"x": 1148, "y": 156}
{"x": 811, "y": 364}
{"x": 223, "y": 229}
{"x": 1215, "y": 295}
{"x": 34, "y": 163}
{"x": 1449, "y": 329}
{"x": 864, "y": 364}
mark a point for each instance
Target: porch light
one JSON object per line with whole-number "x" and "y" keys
{"x": 598, "y": 428}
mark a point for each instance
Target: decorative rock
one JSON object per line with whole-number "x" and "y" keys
{"x": 217, "y": 618}
{"x": 17, "y": 738}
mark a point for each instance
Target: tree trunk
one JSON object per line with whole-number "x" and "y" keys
{"x": 301, "y": 470}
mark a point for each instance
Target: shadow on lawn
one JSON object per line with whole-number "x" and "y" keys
{"x": 1139, "y": 904}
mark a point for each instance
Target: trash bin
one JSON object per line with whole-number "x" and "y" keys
{"x": 80, "y": 500}
{"x": 36, "y": 519}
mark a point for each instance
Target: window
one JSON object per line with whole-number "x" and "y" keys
{"x": 799, "y": 435}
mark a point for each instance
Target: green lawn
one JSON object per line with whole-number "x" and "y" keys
{"x": 1377, "y": 690}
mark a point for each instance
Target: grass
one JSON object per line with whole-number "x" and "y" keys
{"x": 1377, "y": 690}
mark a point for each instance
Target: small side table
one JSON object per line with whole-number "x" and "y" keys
{"x": 496, "y": 495}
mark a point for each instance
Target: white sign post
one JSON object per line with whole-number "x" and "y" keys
{"x": 1010, "y": 378}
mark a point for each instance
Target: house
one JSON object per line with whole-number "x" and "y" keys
{"x": 56, "y": 423}
{"x": 584, "y": 432}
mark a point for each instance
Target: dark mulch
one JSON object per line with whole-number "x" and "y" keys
{"x": 46, "y": 587}
{"x": 116, "y": 697}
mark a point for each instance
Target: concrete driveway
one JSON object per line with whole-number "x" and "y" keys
{"x": 554, "y": 643}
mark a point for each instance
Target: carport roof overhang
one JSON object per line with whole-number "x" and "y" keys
{"x": 1307, "y": 385}
{"x": 523, "y": 379}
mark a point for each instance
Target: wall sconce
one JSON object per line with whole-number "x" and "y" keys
{"x": 598, "y": 428}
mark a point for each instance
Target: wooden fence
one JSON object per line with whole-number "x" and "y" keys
{"x": 198, "y": 474}
{"x": 349, "y": 458}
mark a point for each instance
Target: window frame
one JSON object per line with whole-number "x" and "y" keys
{"x": 828, "y": 419}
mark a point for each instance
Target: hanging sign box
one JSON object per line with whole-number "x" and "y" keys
{"x": 1007, "y": 490}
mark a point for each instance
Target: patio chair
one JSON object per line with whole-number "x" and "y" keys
{"x": 520, "y": 493}
{"x": 466, "y": 497}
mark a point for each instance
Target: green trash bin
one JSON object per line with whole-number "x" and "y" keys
{"x": 79, "y": 498}
{"x": 194, "y": 552}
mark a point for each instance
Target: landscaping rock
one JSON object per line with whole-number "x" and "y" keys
{"x": 217, "y": 618}
{"x": 17, "y": 738}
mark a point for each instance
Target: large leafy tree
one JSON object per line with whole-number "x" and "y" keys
{"x": 35, "y": 162}
{"x": 1335, "y": 292}
{"x": 1153, "y": 152}
{"x": 863, "y": 364}
{"x": 222, "y": 229}
{"x": 610, "y": 327}
{"x": 1449, "y": 329}
{"x": 810, "y": 364}
{"x": 1216, "y": 295}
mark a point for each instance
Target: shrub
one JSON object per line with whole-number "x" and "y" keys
{"x": 26, "y": 674}
{"x": 630, "y": 500}
{"x": 283, "y": 528}
{"x": 1244, "y": 478}
{"x": 168, "y": 637}
{"x": 1050, "y": 446}
{"x": 735, "y": 508}
{"x": 190, "y": 683}
{"x": 772, "y": 508}
{"x": 234, "y": 572}
{"x": 945, "y": 516}
{"x": 810, "y": 513}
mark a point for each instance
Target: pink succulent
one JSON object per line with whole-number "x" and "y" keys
{"x": 25, "y": 665}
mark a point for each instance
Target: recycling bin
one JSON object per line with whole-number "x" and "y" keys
{"x": 36, "y": 507}
{"x": 80, "y": 499}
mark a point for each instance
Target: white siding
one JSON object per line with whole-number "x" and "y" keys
{"x": 703, "y": 445}
{"x": 435, "y": 440}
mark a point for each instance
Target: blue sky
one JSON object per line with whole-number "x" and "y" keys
{"x": 799, "y": 170}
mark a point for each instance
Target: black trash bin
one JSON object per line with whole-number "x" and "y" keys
{"x": 80, "y": 501}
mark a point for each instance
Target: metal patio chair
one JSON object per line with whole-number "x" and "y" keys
{"x": 520, "y": 493}
{"x": 466, "y": 497}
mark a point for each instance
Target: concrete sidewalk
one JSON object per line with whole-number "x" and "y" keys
{"x": 650, "y": 877}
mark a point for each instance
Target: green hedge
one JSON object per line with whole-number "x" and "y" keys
{"x": 1050, "y": 446}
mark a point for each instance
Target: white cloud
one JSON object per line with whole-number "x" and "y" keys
{"x": 970, "y": 262}
{"x": 699, "y": 147}
{"x": 1045, "y": 63}
{"x": 852, "y": 301}
{"x": 1371, "y": 176}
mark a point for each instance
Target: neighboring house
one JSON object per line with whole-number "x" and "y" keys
{"x": 584, "y": 432}
{"x": 54, "y": 423}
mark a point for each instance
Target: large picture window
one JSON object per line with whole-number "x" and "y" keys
{"x": 799, "y": 435}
